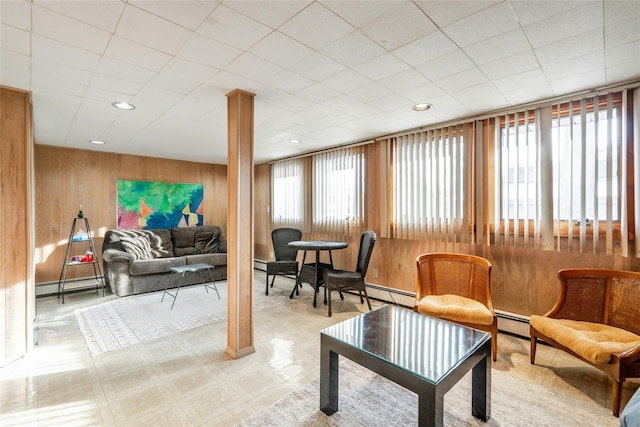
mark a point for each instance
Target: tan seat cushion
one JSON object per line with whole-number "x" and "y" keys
{"x": 594, "y": 342}
{"x": 456, "y": 309}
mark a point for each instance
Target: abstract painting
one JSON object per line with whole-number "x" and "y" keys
{"x": 150, "y": 204}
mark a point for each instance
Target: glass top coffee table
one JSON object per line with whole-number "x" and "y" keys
{"x": 425, "y": 355}
{"x": 191, "y": 268}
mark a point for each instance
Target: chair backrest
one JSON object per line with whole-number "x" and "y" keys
{"x": 468, "y": 276}
{"x": 281, "y": 238}
{"x": 367, "y": 241}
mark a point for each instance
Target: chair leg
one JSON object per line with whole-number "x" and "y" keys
{"x": 273, "y": 280}
{"x": 533, "y": 348}
{"x": 266, "y": 290}
{"x": 361, "y": 299}
{"x": 617, "y": 391}
{"x": 367, "y": 297}
{"x": 325, "y": 293}
{"x": 494, "y": 346}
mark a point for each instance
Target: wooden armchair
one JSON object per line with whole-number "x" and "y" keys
{"x": 596, "y": 319}
{"x": 456, "y": 287}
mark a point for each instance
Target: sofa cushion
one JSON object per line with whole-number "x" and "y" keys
{"x": 160, "y": 241}
{"x": 594, "y": 342}
{"x": 151, "y": 266}
{"x": 217, "y": 259}
{"x": 137, "y": 246}
{"x": 456, "y": 309}
{"x": 207, "y": 241}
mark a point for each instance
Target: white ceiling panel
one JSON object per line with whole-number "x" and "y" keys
{"x": 67, "y": 30}
{"x": 136, "y": 54}
{"x": 230, "y": 27}
{"x": 327, "y": 72}
{"x": 152, "y": 31}
{"x": 316, "y": 26}
{"x": 399, "y": 26}
{"x": 188, "y": 14}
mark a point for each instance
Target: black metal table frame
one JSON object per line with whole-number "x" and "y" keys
{"x": 193, "y": 268}
{"x": 430, "y": 395}
{"x": 317, "y": 266}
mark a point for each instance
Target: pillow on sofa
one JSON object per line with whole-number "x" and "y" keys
{"x": 137, "y": 246}
{"x": 207, "y": 241}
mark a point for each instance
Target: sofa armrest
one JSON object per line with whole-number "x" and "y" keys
{"x": 114, "y": 255}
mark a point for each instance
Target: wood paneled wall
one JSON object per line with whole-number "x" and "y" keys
{"x": 524, "y": 280}
{"x": 66, "y": 178}
{"x": 16, "y": 272}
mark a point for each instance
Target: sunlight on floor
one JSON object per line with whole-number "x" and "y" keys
{"x": 52, "y": 360}
{"x": 81, "y": 413}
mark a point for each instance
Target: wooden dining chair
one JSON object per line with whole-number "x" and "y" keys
{"x": 340, "y": 280}
{"x": 457, "y": 288}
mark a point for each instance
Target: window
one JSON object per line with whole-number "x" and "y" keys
{"x": 430, "y": 184}
{"x": 559, "y": 165}
{"x": 338, "y": 190}
{"x": 287, "y": 201}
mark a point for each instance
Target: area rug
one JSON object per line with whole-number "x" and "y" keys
{"x": 366, "y": 399}
{"x": 134, "y": 319}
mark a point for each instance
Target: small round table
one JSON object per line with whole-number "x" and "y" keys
{"x": 312, "y": 272}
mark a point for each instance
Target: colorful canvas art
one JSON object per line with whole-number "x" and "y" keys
{"x": 149, "y": 204}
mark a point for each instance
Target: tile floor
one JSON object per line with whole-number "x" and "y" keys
{"x": 187, "y": 379}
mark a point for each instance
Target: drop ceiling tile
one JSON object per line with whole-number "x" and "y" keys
{"x": 627, "y": 71}
{"x": 572, "y": 47}
{"x": 253, "y": 67}
{"x": 119, "y": 85}
{"x": 45, "y": 70}
{"x": 564, "y": 69}
{"x": 288, "y": 81}
{"x": 346, "y": 81}
{"x": 180, "y": 68}
{"x": 423, "y": 94}
{"x": 15, "y": 39}
{"x": 382, "y": 66}
{"x": 190, "y": 106}
{"x": 392, "y": 102}
{"x": 202, "y": 50}
{"x": 16, "y": 13}
{"x": 228, "y": 81}
{"x": 586, "y": 17}
{"x": 169, "y": 81}
{"x": 369, "y": 93}
{"x": 445, "y": 12}
{"x": 215, "y": 95}
{"x": 119, "y": 69}
{"x": 426, "y": 48}
{"x": 405, "y": 81}
{"x": 317, "y": 67}
{"x": 359, "y": 13}
{"x": 499, "y": 47}
{"x": 463, "y": 80}
{"x": 529, "y": 12}
{"x": 577, "y": 82}
{"x": 281, "y": 49}
{"x": 66, "y": 87}
{"x": 109, "y": 96}
{"x": 522, "y": 80}
{"x": 477, "y": 95}
{"x": 15, "y": 70}
{"x": 399, "y": 26}
{"x": 273, "y": 14}
{"x": 514, "y": 64}
{"x": 530, "y": 93}
{"x": 316, "y": 26}
{"x": 149, "y": 30}
{"x": 136, "y": 54}
{"x": 353, "y": 49}
{"x": 622, "y": 54}
{"x": 99, "y": 14}
{"x": 189, "y": 14}
{"x": 615, "y": 11}
{"x": 446, "y": 65}
{"x": 317, "y": 93}
{"x": 232, "y": 28}
{"x": 64, "y": 29}
{"x": 343, "y": 102}
{"x": 62, "y": 53}
{"x": 487, "y": 104}
{"x": 317, "y": 112}
{"x": 622, "y": 32}
{"x": 487, "y": 23}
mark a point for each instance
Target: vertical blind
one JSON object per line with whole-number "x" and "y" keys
{"x": 561, "y": 174}
{"x": 287, "y": 193}
{"x": 338, "y": 191}
{"x": 430, "y": 184}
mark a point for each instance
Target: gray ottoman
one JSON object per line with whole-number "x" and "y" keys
{"x": 630, "y": 416}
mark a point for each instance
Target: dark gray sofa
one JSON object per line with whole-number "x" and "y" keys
{"x": 126, "y": 274}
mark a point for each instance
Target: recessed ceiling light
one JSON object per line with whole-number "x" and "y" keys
{"x": 422, "y": 107}
{"x": 124, "y": 105}
{"x": 97, "y": 142}
{"x": 295, "y": 141}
